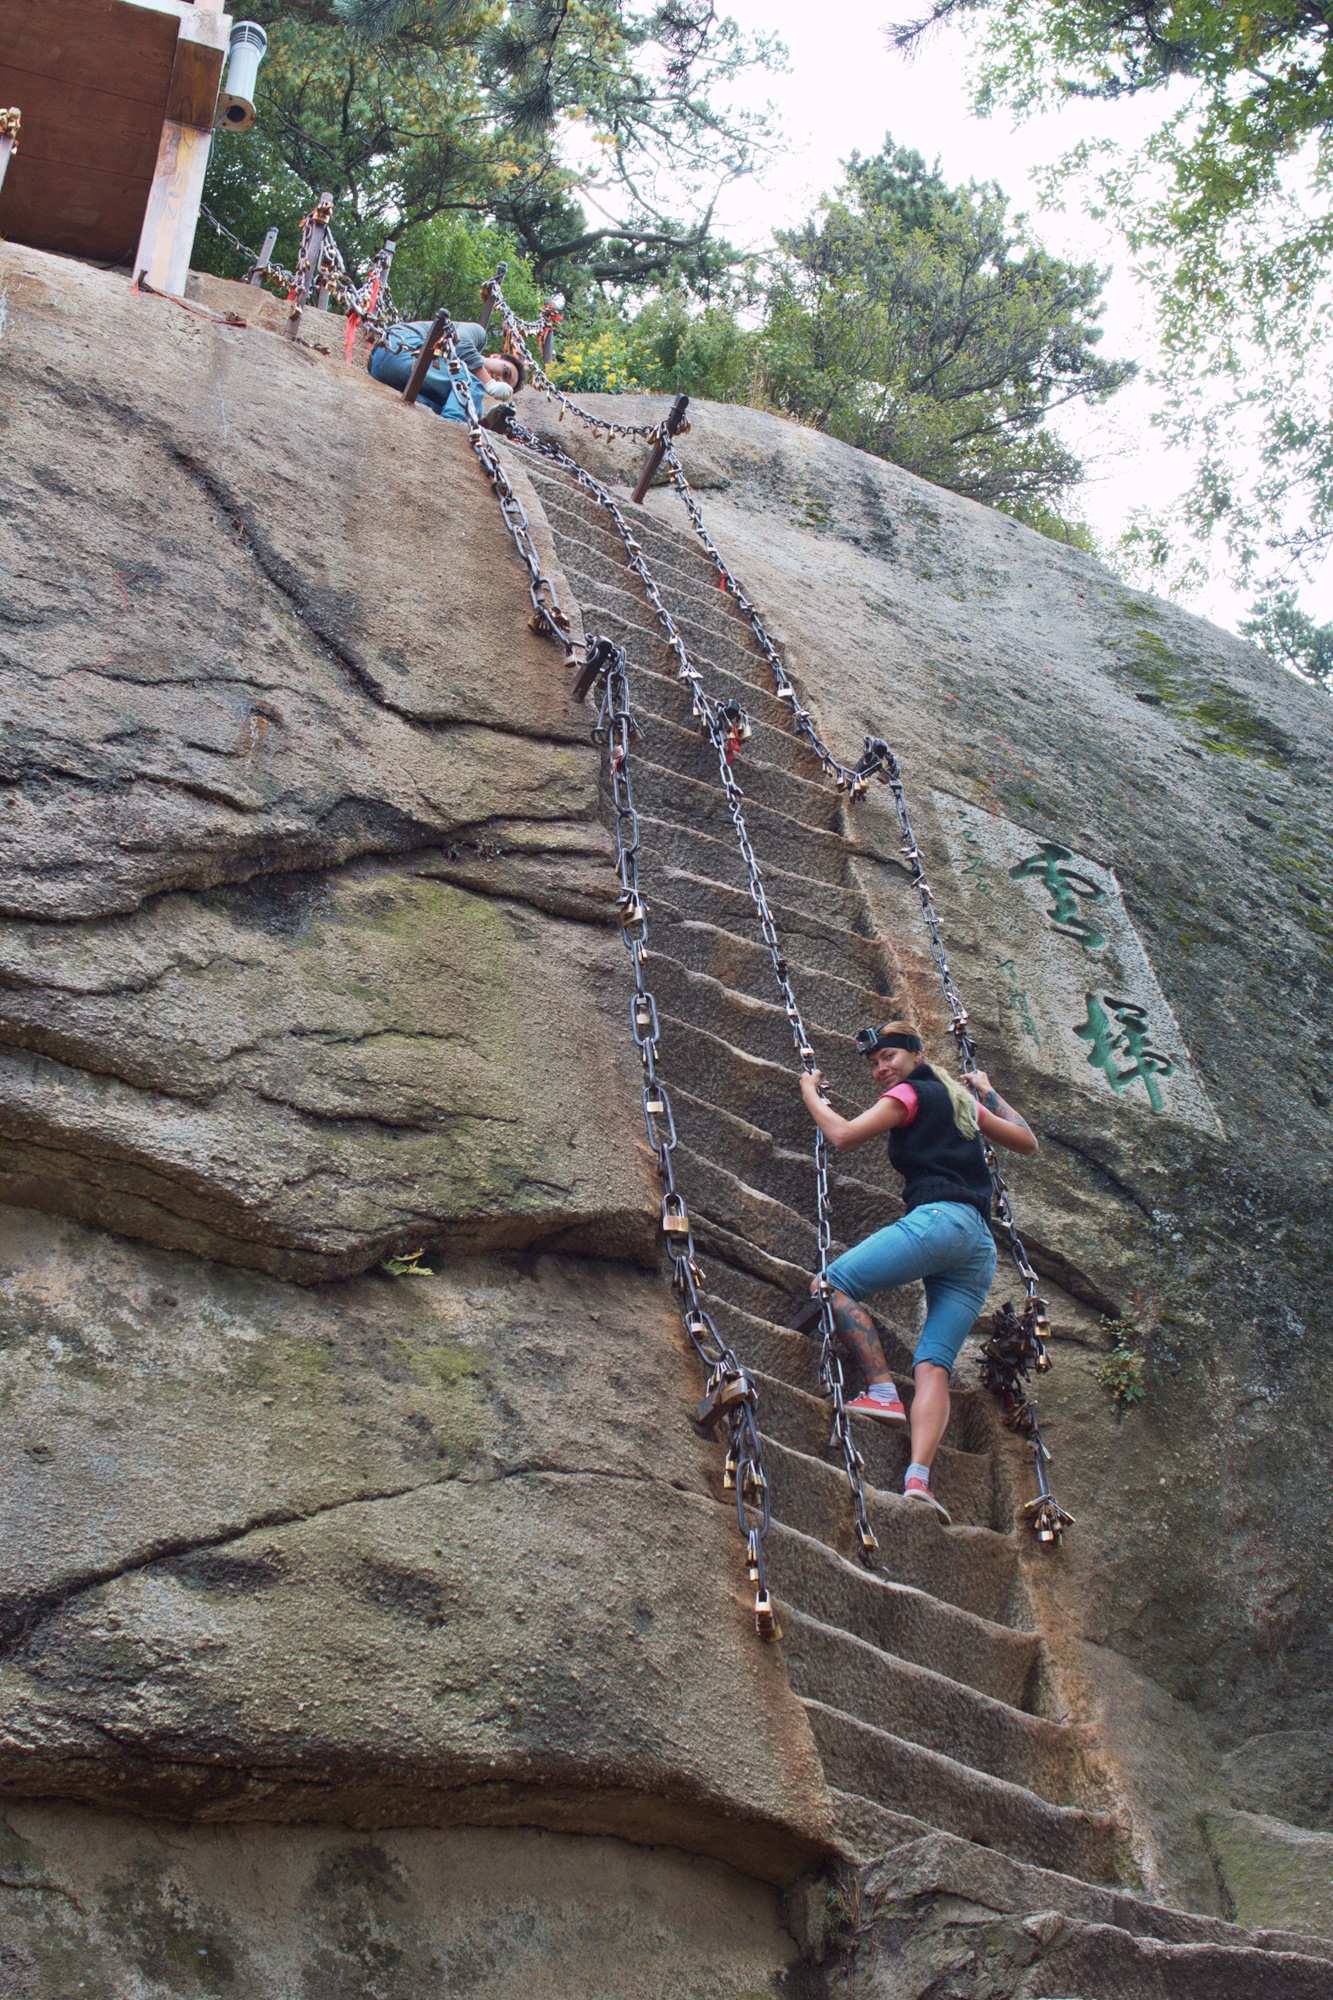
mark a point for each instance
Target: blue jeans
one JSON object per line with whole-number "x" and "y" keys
{"x": 437, "y": 390}
{"x": 950, "y": 1247}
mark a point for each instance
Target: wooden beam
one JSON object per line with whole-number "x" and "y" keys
{"x": 172, "y": 214}
{"x": 196, "y": 73}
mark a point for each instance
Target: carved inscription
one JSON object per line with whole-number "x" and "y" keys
{"x": 1073, "y": 983}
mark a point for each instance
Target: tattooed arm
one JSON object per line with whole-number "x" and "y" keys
{"x": 999, "y": 1121}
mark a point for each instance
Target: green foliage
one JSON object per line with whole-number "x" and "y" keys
{"x": 444, "y": 261}
{"x": 412, "y": 112}
{"x": 409, "y": 1265}
{"x": 921, "y": 323}
{"x": 1122, "y": 1373}
{"x": 1278, "y": 624}
{"x": 1226, "y": 209}
{"x": 667, "y": 347}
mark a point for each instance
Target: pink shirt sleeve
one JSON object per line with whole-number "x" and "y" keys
{"x": 907, "y": 1097}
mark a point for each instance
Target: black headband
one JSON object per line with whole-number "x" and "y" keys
{"x": 869, "y": 1040}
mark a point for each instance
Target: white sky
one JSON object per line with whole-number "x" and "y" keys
{"x": 845, "y": 90}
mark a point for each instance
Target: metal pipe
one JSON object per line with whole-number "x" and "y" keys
{"x": 488, "y": 297}
{"x": 266, "y": 250}
{"x": 673, "y": 424}
{"x": 421, "y": 366}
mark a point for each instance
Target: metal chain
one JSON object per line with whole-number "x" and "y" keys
{"x": 731, "y": 1399}
{"x": 1017, "y": 1342}
{"x": 373, "y": 308}
{"x": 725, "y": 724}
{"x": 850, "y": 778}
{"x": 277, "y": 272}
{"x": 548, "y": 614}
{"x": 517, "y": 331}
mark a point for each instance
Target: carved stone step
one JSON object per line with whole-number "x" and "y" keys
{"x": 587, "y": 527}
{"x": 864, "y": 1188}
{"x": 576, "y": 515}
{"x": 686, "y": 751}
{"x": 974, "y": 1568}
{"x": 917, "y": 1865}
{"x": 663, "y": 709}
{"x": 959, "y": 1918}
{"x": 764, "y": 1223}
{"x": 964, "y": 1480}
{"x": 712, "y": 650}
{"x": 810, "y": 936}
{"x": 756, "y": 1022}
{"x": 725, "y": 1254}
{"x": 761, "y": 1092}
{"x": 610, "y": 614}
{"x": 667, "y": 843}
{"x": 701, "y": 610}
{"x": 970, "y": 1803}
{"x": 978, "y": 1652}
{"x": 751, "y": 1021}
{"x": 866, "y": 1831}
{"x": 910, "y": 1701}
{"x": 730, "y": 1275}
{"x": 779, "y": 838}
{"x": 839, "y": 1002}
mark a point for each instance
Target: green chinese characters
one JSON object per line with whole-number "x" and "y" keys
{"x": 1117, "y": 1034}
{"x": 1066, "y": 889}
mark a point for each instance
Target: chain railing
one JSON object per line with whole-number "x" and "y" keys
{"x": 730, "y": 1400}
{"x": 1016, "y": 1346}
{"x": 518, "y": 330}
{"x": 368, "y": 304}
{"x": 723, "y": 723}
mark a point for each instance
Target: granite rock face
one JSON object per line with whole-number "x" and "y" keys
{"x": 261, "y": 704}
{"x": 309, "y": 956}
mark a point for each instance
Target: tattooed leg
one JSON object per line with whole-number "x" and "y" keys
{"x": 857, "y": 1332}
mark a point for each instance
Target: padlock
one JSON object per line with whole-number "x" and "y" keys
{"x": 675, "y": 1221}
{"x": 633, "y": 914}
{"x": 738, "y": 1389}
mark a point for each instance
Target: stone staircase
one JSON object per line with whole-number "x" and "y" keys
{"x": 921, "y": 1680}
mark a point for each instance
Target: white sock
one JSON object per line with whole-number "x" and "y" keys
{"x": 882, "y": 1392}
{"x": 915, "y": 1471}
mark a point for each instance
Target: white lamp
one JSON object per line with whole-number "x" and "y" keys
{"x": 236, "y": 106}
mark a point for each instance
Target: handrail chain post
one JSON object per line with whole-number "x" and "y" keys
{"x": 655, "y": 456}
{"x": 421, "y": 366}
{"x": 266, "y": 250}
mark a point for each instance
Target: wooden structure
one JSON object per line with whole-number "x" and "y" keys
{"x": 118, "y": 99}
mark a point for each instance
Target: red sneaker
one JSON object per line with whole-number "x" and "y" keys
{"x": 888, "y": 1409}
{"x": 919, "y": 1489}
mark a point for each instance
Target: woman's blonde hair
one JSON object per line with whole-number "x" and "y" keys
{"x": 960, "y": 1097}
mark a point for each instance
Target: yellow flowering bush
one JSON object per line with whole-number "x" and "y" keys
{"x": 601, "y": 360}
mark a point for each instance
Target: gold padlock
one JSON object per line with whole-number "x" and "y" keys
{"x": 675, "y": 1218}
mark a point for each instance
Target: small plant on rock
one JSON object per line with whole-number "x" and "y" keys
{"x": 1123, "y": 1372}
{"x": 409, "y": 1265}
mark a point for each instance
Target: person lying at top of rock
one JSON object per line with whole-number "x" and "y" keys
{"x": 933, "y": 1127}
{"x": 498, "y": 376}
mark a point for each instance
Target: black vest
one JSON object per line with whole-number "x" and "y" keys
{"x": 936, "y": 1162}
